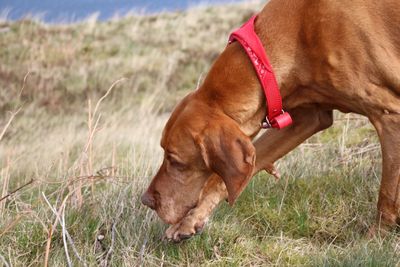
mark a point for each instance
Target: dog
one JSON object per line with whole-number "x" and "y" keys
{"x": 327, "y": 55}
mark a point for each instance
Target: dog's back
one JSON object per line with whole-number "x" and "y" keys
{"x": 342, "y": 49}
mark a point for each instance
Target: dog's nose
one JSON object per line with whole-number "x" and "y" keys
{"x": 148, "y": 200}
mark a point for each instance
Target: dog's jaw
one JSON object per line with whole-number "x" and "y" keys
{"x": 193, "y": 223}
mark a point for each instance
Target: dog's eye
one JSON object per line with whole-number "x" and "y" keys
{"x": 175, "y": 163}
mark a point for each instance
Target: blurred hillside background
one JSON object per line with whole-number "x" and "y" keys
{"x": 75, "y": 10}
{"x": 82, "y": 107}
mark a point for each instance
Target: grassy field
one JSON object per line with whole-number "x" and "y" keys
{"x": 86, "y": 105}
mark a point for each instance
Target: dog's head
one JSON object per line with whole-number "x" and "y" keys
{"x": 197, "y": 142}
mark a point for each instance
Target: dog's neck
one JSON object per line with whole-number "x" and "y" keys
{"x": 232, "y": 81}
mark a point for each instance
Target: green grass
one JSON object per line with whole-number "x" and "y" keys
{"x": 318, "y": 214}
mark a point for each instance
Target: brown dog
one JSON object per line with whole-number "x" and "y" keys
{"x": 327, "y": 54}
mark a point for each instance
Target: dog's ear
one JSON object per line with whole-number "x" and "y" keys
{"x": 228, "y": 152}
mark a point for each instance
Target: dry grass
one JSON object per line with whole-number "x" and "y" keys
{"x": 90, "y": 162}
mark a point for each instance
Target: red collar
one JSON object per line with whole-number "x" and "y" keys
{"x": 247, "y": 37}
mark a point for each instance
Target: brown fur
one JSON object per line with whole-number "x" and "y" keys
{"x": 327, "y": 54}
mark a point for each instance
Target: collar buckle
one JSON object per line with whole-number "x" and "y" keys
{"x": 281, "y": 121}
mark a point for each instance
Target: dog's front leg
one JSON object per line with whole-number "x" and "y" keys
{"x": 274, "y": 144}
{"x": 388, "y": 128}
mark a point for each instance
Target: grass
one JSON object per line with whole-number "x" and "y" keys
{"x": 93, "y": 174}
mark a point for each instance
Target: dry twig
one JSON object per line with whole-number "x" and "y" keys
{"x": 142, "y": 251}
{"x": 5, "y": 173}
{"x": 108, "y": 257}
{"x": 24, "y": 83}
{"x": 4, "y": 261}
{"x": 65, "y": 233}
{"x": 86, "y": 159}
{"x": 64, "y": 237}
{"x": 16, "y": 190}
{"x": 53, "y": 226}
{"x": 11, "y": 225}
{"x": 72, "y": 243}
{"x": 13, "y": 114}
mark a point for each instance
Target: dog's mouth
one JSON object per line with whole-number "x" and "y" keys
{"x": 172, "y": 220}
{"x": 173, "y": 213}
